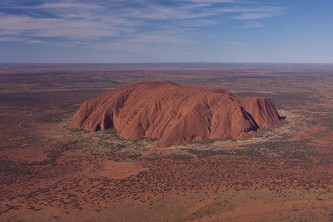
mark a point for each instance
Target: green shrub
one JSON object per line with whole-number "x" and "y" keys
{"x": 76, "y": 130}
{"x": 111, "y": 131}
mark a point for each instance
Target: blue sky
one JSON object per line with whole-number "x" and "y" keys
{"x": 111, "y": 31}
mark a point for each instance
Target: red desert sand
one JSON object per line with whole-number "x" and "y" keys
{"x": 176, "y": 114}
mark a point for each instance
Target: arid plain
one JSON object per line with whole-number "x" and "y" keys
{"x": 51, "y": 173}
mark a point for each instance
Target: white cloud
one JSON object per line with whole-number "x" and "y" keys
{"x": 253, "y": 15}
{"x": 16, "y": 39}
{"x": 119, "y": 21}
{"x": 259, "y": 13}
{"x": 66, "y": 5}
{"x": 253, "y": 24}
{"x": 53, "y": 27}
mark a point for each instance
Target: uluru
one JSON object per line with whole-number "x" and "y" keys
{"x": 176, "y": 114}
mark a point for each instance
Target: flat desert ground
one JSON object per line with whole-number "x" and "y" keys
{"x": 51, "y": 173}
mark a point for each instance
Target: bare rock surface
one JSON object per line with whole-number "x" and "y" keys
{"x": 176, "y": 114}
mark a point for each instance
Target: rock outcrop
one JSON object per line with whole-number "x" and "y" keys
{"x": 176, "y": 114}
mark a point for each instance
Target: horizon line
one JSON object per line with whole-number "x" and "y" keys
{"x": 164, "y": 63}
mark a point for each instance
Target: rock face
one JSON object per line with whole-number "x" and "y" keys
{"x": 175, "y": 113}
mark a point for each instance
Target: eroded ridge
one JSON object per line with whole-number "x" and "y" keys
{"x": 176, "y": 114}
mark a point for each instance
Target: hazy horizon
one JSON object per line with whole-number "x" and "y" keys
{"x": 165, "y": 63}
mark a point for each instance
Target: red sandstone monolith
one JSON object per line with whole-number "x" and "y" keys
{"x": 176, "y": 114}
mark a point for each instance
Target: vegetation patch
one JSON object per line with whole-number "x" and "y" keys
{"x": 206, "y": 141}
{"x": 111, "y": 131}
